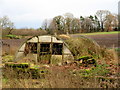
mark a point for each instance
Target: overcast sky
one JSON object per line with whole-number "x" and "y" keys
{"x": 31, "y": 13}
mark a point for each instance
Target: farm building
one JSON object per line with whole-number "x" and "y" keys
{"x": 44, "y": 49}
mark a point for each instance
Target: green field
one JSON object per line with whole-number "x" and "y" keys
{"x": 96, "y": 33}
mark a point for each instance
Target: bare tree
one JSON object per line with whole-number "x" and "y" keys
{"x": 96, "y": 23}
{"x": 101, "y": 14}
{"x": 86, "y": 24}
{"x": 115, "y": 21}
{"x": 75, "y": 25}
{"x": 45, "y": 24}
{"x": 68, "y": 20}
{"x": 57, "y": 24}
{"x": 111, "y": 22}
{"x": 108, "y": 22}
{"x": 5, "y": 23}
{"x": 52, "y": 28}
{"x": 59, "y": 20}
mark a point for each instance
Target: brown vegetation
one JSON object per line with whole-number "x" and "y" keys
{"x": 59, "y": 77}
{"x": 72, "y": 76}
{"x": 24, "y": 32}
{"x": 104, "y": 75}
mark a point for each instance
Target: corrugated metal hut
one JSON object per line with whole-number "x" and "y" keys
{"x": 49, "y": 49}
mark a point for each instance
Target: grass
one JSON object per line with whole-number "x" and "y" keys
{"x": 97, "y": 33}
{"x": 117, "y": 49}
{"x": 13, "y": 36}
{"x": 100, "y": 70}
{"x": 58, "y": 78}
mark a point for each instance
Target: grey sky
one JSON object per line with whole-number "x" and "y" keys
{"x": 31, "y": 13}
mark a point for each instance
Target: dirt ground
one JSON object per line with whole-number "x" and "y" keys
{"x": 108, "y": 40}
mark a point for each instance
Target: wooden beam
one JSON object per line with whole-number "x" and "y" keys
{"x": 38, "y": 51}
{"x": 51, "y": 45}
{"x": 62, "y": 53}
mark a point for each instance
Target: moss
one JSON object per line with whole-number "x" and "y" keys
{"x": 25, "y": 70}
{"x": 14, "y": 65}
{"x": 85, "y": 57}
{"x": 86, "y": 60}
{"x": 7, "y": 58}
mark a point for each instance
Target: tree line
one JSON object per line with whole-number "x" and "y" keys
{"x": 102, "y": 21}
